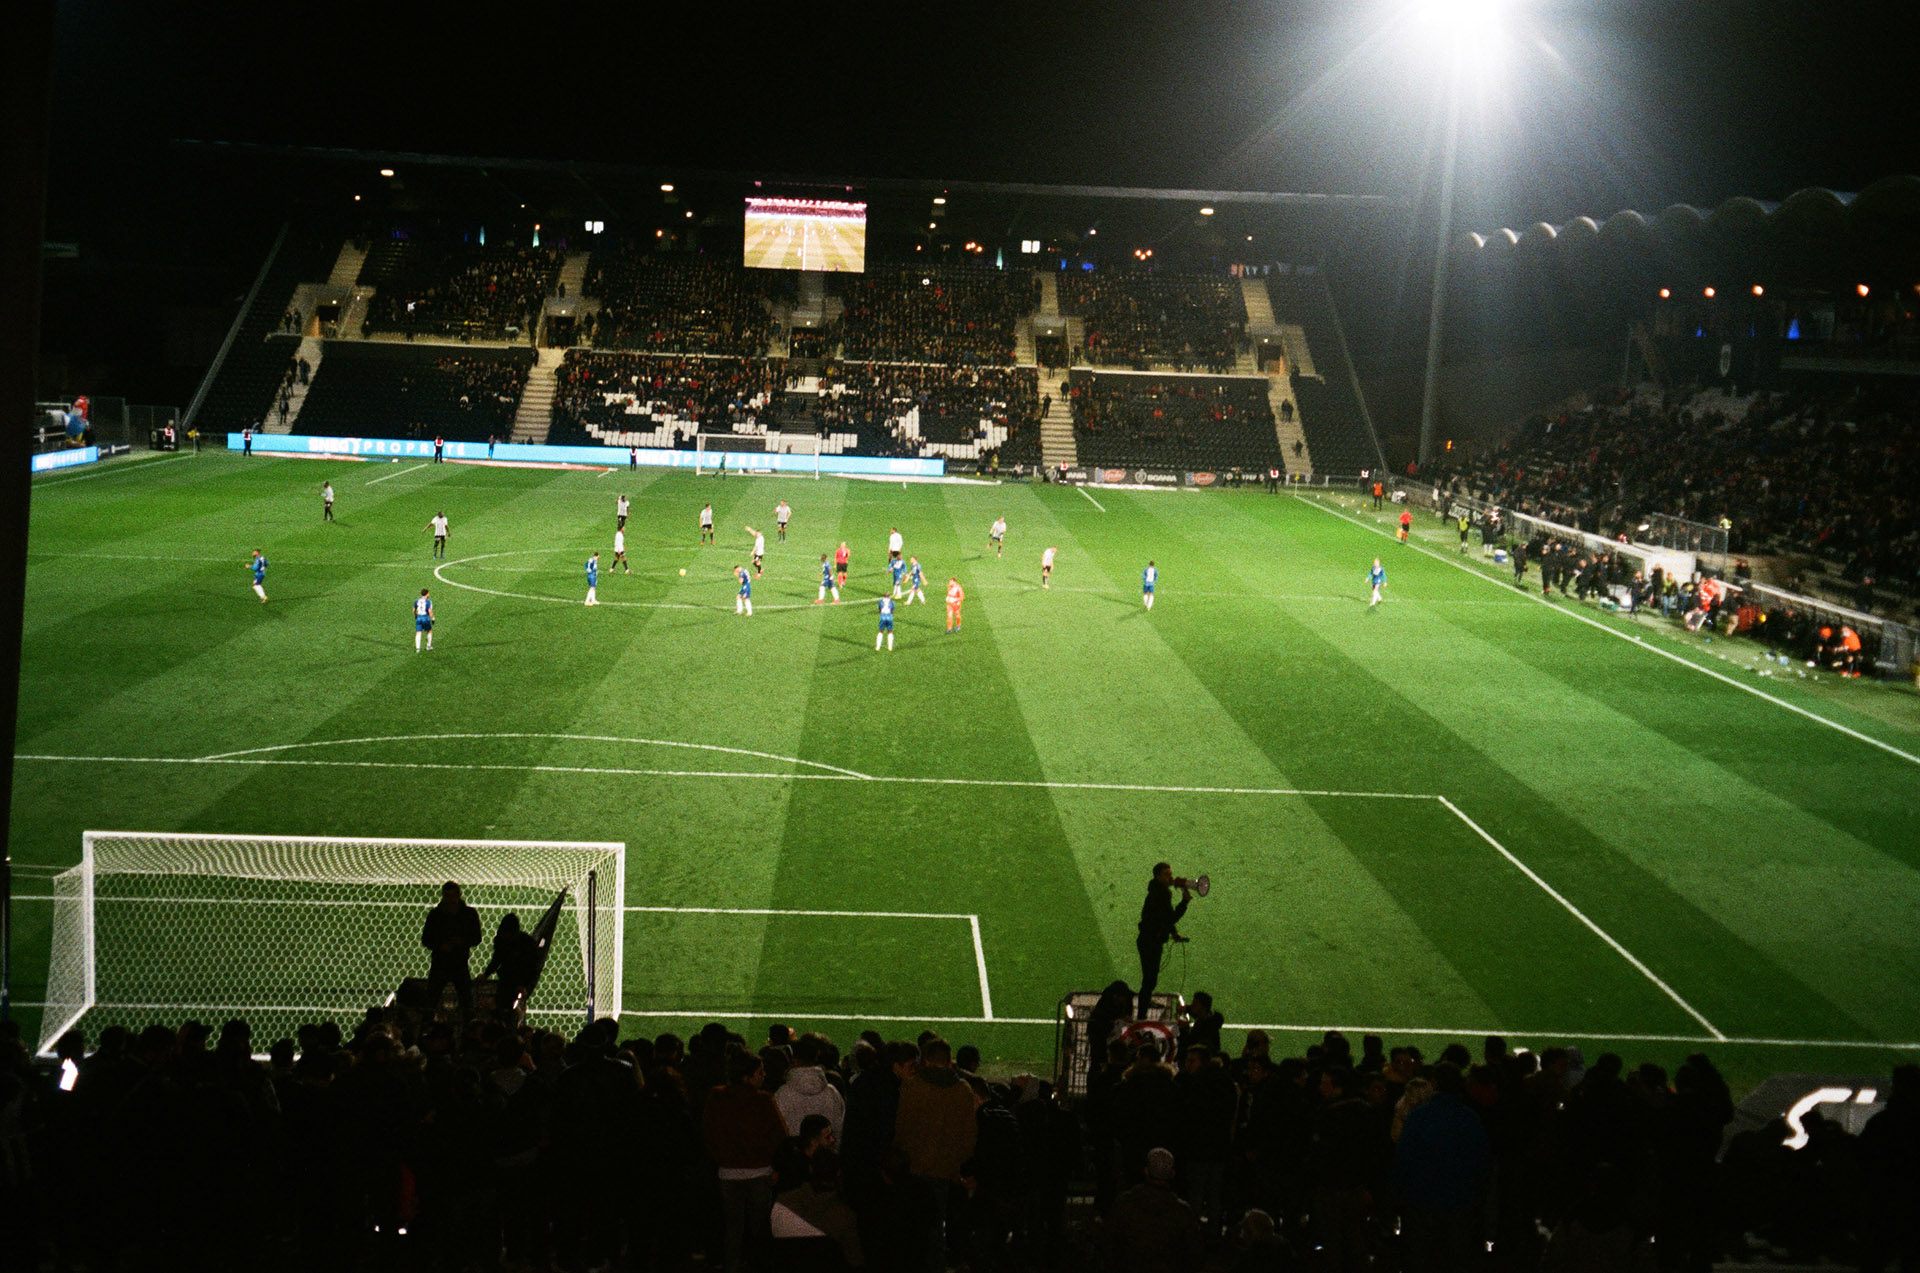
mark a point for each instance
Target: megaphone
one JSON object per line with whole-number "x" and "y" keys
{"x": 1201, "y": 886}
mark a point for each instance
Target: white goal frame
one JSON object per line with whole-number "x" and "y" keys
{"x": 592, "y": 873}
{"x": 788, "y": 444}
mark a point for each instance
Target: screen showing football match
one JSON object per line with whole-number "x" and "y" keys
{"x": 806, "y": 234}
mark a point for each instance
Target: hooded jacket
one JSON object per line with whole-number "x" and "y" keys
{"x": 806, "y": 1091}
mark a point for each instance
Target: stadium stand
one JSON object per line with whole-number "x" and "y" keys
{"x": 1148, "y": 322}
{"x": 1173, "y": 422}
{"x": 682, "y": 304}
{"x": 658, "y": 400}
{"x": 379, "y": 389}
{"x": 417, "y": 1144}
{"x": 1339, "y": 437}
{"x": 243, "y": 391}
{"x": 1830, "y": 474}
{"x": 951, "y": 314}
{"x": 920, "y": 409}
{"x": 429, "y": 288}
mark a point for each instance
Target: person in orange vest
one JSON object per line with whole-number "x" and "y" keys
{"x": 1849, "y": 652}
{"x": 1378, "y": 491}
{"x": 955, "y": 595}
{"x": 1406, "y": 523}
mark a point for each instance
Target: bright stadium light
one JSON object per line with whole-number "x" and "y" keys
{"x": 939, "y": 201}
{"x": 1707, "y": 292}
{"x": 666, "y": 187}
{"x": 1666, "y": 293}
{"x": 1863, "y": 289}
{"x": 1206, "y": 212}
{"x": 1759, "y": 290}
{"x": 386, "y": 172}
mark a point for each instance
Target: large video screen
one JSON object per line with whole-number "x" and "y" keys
{"x": 806, "y": 234}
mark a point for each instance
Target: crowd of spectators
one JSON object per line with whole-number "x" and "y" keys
{"x": 686, "y": 304}
{"x": 379, "y": 389}
{"x": 1177, "y": 422}
{"x": 953, "y": 404}
{"x": 429, "y": 1145}
{"x": 1140, "y": 320}
{"x": 1834, "y": 475}
{"x": 622, "y": 392}
{"x": 431, "y": 289}
{"x": 946, "y": 314}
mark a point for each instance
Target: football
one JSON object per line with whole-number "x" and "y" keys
{"x": 683, "y": 570}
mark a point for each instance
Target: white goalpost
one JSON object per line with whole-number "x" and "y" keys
{"x": 724, "y": 451}
{"x": 282, "y": 930}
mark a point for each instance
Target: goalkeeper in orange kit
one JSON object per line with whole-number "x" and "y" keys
{"x": 955, "y": 595}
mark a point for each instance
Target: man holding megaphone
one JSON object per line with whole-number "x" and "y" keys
{"x": 1158, "y": 917}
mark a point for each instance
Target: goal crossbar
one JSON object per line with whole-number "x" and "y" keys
{"x": 149, "y": 921}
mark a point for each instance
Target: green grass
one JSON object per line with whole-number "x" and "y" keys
{"x": 1753, "y": 867}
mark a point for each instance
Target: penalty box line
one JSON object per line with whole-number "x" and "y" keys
{"x": 1587, "y": 922}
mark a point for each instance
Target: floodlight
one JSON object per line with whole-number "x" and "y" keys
{"x": 1863, "y": 289}
{"x": 666, "y": 187}
{"x": 939, "y": 201}
{"x": 1206, "y": 212}
{"x": 386, "y": 172}
{"x": 1759, "y": 290}
{"x": 1707, "y": 292}
{"x": 1666, "y": 293}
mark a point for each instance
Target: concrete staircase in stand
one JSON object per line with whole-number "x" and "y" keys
{"x": 346, "y": 266}
{"x": 1049, "y": 295}
{"x": 534, "y": 416}
{"x": 1057, "y": 446}
{"x": 1286, "y": 427}
{"x": 1023, "y": 351}
{"x": 311, "y": 347}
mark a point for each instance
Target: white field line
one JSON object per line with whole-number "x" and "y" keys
{"x": 1090, "y": 499}
{"x": 1385, "y": 1032}
{"x": 1580, "y": 915}
{"x": 492, "y": 906}
{"x": 1642, "y": 642}
{"x": 124, "y": 467}
{"x": 980, "y": 963}
{"x": 575, "y": 738}
{"x": 1033, "y": 784}
{"x": 401, "y": 473}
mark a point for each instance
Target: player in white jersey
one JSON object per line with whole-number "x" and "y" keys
{"x": 781, "y": 515}
{"x": 759, "y": 551}
{"x": 422, "y": 620}
{"x": 620, "y": 507}
{"x": 1046, "y": 568}
{"x": 894, "y": 544}
{"x": 706, "y": 524}
{"x": 326, "y": 501}
{"x": 997, "y": 534}
{"x": 439, "y": 528}
{"x": 620, "y": 551}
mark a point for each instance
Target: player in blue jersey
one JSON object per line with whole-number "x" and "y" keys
{"x": 422, "y": 620}
{"x": 593, "y": 579}
{"x": 260, "y": 575}
{"x": 886, "y": 625}
{"x": 1378, "y": 578}
{"x": 743, "y": 604}
{"x": 915, "y": 583}
{"x": 827, "y": 583}
{"x": 1148, "y": 578}
{"x": 899, "y": 571}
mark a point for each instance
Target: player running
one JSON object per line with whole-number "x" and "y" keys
{"x": 422, "y": 620}
{"x": 840, "y": 563}
{"x": 1148, "y": 578}
{"x": 915, "y": 583}
{"x": 997, "y": 534}
{"x": 326, "y": 501}
{"x": 781, "y": 514}
{"x": 1046, "y": 568}
{"x": 894, "y": 544}
{"x": 1378, "y": 578}
{"x": 593, "y": 579}
{"x": 759, "y": 551}
{"x": 260, "y": 575}
{"x": 620, "y": 551}
{"x": 898, "y": 569}
{"x": 743, "y": 603}
{"x": 955, "y": 595}
{"x": 706, "y": 524}
{"x": 826, "y": 582}
{"x": 886, "y": 625}
{"x": 439, "y": 528}
{"x": 620, "y": 507}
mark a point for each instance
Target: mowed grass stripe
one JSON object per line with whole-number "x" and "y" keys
{"x": 1085, "y": 718}
{"x": 1382, "y": 670}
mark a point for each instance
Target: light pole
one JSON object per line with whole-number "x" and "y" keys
{"x": 1450, "y": 148}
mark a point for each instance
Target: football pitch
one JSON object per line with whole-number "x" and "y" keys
{"x": 1458, "y": 812}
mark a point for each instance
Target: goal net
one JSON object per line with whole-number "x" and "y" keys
{"x": 155, "y": 926}
{"x": 714, "y": 452}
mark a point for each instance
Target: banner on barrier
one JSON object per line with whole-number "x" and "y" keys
{"x": 47, "y": 462}
{"x": 598, "y": 456}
